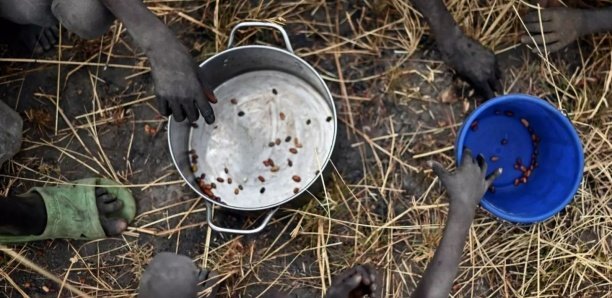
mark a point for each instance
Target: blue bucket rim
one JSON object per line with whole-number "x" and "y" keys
{"x": 566, "y": 123}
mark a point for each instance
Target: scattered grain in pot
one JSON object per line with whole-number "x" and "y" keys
{"x": 509, "y": 113}
{"x": 236, "y": 191}
{"x": 220, "y": 180}
{"x": 296, "y": 190}
{"x": 289, "y": 162}
{"x": 274, "y": 91}
{"x": 213, "y": 185}
{"x": 240, "y": 187}
{"x": 293, "y": 150}
{"x": 261, "y": 178}
{"x": 494, "y": 158}
{"x": 262, "y": 190}
{"x": 282, "y": 116}
{"x": 277, "y": 141}
{"x": 229, "y": 180}
{"x": 274, "y": 169}
{"x": 234, "y": 101}
{"x": 240, "y": 114}
{"x": 308, "y": 122}
{"x": 226, "y": 171}
{"x": 271, "y": 144}
{"x": 194, "y": 168}
{"x": 517, "y": 182}
{"x": 288, "y": 139}
{"x": 329, "y": 118}
{"x": 296, "y": 178}
{"x": 525, "y": 122}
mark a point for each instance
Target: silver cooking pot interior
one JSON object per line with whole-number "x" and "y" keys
{"x": 273, "y": 136}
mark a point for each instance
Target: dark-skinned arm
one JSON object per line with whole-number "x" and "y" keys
{"x": 465, "y": 188}
{"x": 472, "y": 61}
{"x": 178, "y": 89}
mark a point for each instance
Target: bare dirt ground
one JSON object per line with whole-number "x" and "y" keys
{"x": 399, "y": 106}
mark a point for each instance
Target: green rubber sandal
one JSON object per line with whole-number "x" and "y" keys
{"x": 72, "y": 212}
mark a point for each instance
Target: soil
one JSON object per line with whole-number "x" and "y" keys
{"x": 139, "y": 158}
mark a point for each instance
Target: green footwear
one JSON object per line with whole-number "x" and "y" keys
{"x": 72, "y": 212}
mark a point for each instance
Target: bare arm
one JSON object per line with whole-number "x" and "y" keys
{"x": 473, "y": 62}
{"x": 177, "y": 86}
{"x": 465, "y": 189}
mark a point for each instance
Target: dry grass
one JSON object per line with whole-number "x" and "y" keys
{"x": 388, "y": 88}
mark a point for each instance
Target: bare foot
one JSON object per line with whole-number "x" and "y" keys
{"x": 38, "y": 39}
{"x": 353, "y": 283}
{"x": 554, "y": 28}
{"x": 107, "y": 205}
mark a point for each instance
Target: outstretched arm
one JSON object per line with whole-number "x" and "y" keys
{"x": 178, "y": 89}
{"x": 465, "y": 189}
{"x": 469, "y": 58}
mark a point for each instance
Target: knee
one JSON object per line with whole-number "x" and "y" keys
{"x": 87, "y": 18}
{"x": 28, "y": 12}
{"x": 10, "y": 134}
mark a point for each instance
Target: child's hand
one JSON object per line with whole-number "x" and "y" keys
{"x": 469, "y": 183}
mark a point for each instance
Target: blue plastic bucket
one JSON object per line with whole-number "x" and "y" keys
{"x": 498, "y": 130}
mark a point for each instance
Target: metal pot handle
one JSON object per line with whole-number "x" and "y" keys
{"x": 230, "y": 43}
{"x": 209, "y": 218}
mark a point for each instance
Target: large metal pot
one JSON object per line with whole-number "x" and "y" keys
{"x": 266, "y": 94}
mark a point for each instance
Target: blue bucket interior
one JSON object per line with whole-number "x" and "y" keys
{"x": 560, "y": 161}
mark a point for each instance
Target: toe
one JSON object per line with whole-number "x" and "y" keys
{"x": 113, "y": 226}
{"x": 100, "y": 191}
{"x": 110, "y": 207}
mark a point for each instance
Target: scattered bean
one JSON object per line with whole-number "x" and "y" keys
{"x": 288, "y": 139}
{"x": 293, "y": 150}
{"x": 229, "y": 180}
{"x": 474, "y": 126}
{"x": 213, "y": 185}
{"x": 236, "y": 191}
{"x": 525, "y": 122}
{"x": 266, "y": 162}
{"x": 509, "y": 113}
{"x": 329, "y": 118}
{"x": 274, "y": 91}
{"x": 274, "y": 169}
{"x": 282, "y": 116}
{"x": 528, "y": 173}
{"x": 523, "y": 180}
{"x": 192, "y": 151}
{"x": 262, "y": 190}
{"x": 234, "y": 101}
{"x": 517, "y": 181}
{"x": 494, "y": 158}
{"x": 194, "y": 168}
{"x": 240, "y": 114}
{"x": 240, "y": 187}
{"x": 271, "y": 144}
{"x": 523, "y": 169}
{"x": 277, "y": 141}
{"x": 220, "y": 180}
{"x": 261, "y": 178}
{"x": 226, "y": 171}
{"x": 296, "y": 190}
{"x": 296, "y": 178}
{"x": 289, "y": 163}
{"x": 271, "y": 161}
{"x": 308, "y": 122}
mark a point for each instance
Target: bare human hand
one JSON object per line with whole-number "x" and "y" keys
{"x": 554, "y": 28}
{"x": 469, "y": 182}
{"x": 178, "y": 88}
{"x": 474, "y": 63}
{"x": 354, "y": 283}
